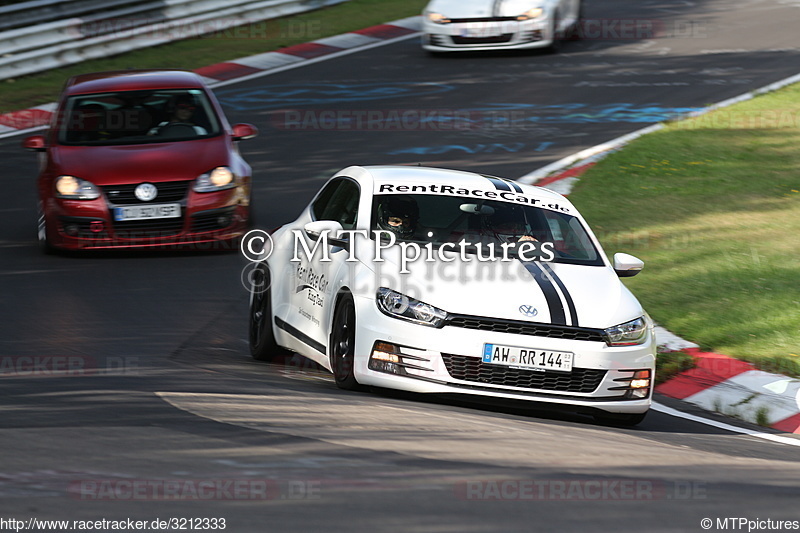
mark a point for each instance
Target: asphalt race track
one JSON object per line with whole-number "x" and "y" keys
{"x": 162, "y": 414}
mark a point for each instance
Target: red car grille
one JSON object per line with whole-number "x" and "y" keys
{"x": 168, "y": 191}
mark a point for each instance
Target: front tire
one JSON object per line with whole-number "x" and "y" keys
{"x": 262, "y": 338}
{"x": 44, "y": 241}
{"x": 343, "y": 344}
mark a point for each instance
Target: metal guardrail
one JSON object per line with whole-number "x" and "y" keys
{"x": 42, "y": 11}
{"x": 67, "y": 41}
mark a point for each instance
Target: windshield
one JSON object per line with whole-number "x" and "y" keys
{"x": 477, "y": 222}
{"x": 136, "y": 117}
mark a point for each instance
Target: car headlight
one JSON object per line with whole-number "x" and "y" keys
{"x": 217, "y": 179}
{"x": 438, "y": 18}
{"x": 400, "y": 306}
{"x": 72, "y": 188}
{"x": 534, "y": 13}
{"x": 627, "y": 334}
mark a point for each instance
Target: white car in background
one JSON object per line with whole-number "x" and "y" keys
{"x": 451, "y": 25}
{"x": 441, "y": 281}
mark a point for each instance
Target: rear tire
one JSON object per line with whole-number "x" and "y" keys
{"x": 263, "y": 346}
{"x": 343, "y": 344}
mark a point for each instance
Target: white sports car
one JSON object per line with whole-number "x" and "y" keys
{"x": 441, "y": 281}
{"x": 450, "y": 25}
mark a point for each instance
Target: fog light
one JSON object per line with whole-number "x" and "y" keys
{"x": 71, "y": 230}
{"x": 636, "y": 386}
{"x": 223, "y": 221}
{"x": 639, "y": 393}
{"x": 383, "y": 351}
{"x": 641, "y": 379}
{"x": 97, "y": 226}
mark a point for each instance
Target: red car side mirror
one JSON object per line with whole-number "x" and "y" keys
{"x": 244, "y": 131}
{"x": 34, "y": 143}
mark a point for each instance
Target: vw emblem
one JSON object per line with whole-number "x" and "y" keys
{"x": 145, "y": 192}
{"x": 528, "y": 310}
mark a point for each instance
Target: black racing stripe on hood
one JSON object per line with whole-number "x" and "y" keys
{"x": 499, "y": 184}
{"x": 557, "y": 315}
{"x": 573, "y": 313}
{"x": 515, "y": 186}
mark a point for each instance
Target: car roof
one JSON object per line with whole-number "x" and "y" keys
{"x": 131, "y": 80}
{"x": 424, "y": 176}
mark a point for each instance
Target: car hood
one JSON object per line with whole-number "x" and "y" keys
{"x": 480, "y": 8}
{"x": 549, "y": 293}
{"x": 114, "y": 165}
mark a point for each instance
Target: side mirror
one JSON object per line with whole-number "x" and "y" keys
{"x": 626, "y": 265}
{"x": 329, "y": 227}
{"x": 34, "y": 143}
{"x": 243, "y": 132}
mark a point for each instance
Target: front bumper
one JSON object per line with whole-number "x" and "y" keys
{"x": 448, "y": 361}
{"x": 491, "y": 35}
{"x": 207, "y": 221}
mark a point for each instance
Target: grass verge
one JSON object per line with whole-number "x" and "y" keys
{"x": 712, "y": 205}
{"x": 669, "y": 364}
{"x": 194, "y": 53}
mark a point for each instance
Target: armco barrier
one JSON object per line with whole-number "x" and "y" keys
{"x": 42, "y": 11}
{"x": 64, "y": 42}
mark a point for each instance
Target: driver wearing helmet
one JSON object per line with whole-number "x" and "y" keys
{"x": 509, "y": 225}
{"x": 182, "y": 109}
{"x": 399, "y": 215}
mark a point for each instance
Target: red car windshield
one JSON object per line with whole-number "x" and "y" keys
{"x": 137, "y": 117}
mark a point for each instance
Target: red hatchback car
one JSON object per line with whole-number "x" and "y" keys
{"x": 137, "y": 159}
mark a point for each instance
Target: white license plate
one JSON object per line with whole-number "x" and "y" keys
{"x": 531, "y": 358}
{"x": 482, "y": 29}
{"x": 140, "y": 212}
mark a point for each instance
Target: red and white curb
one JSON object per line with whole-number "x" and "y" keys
{"x": 250, "y": 67}
{"x": 27, "y": 119}
{"x": 736, "y": 388}
{"x": 306, "y": 53}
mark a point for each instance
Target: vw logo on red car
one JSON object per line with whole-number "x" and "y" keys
{"x": 146, "y": 192}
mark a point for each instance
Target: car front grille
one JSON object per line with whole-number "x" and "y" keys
{"x": 473, "y": 369}
{"x": 520, "y": 327}
{"x": 497, "y": 39}
{"x": 168, "y": 191}
{"x": 483, "y": 19}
